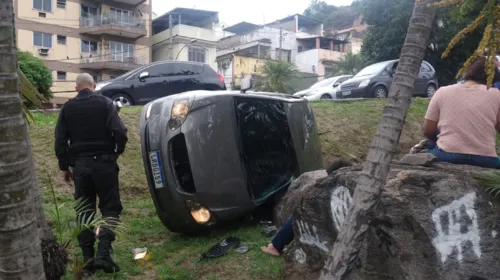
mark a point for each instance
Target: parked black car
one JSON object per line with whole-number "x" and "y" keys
{"x": 160, "y": 79}
{"x": 375, "y": 81}
{"x": 214, "y": 156}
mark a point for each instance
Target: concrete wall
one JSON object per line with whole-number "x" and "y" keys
{"x": 185, "y": 31}
{"x": 181, "y": 53}
{"x": 305, "y": 61}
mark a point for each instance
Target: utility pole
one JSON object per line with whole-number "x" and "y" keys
{"x": 281, "y": 42}
{"x": 171, "y": 47}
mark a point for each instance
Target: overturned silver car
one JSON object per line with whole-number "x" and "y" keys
{"x": 215, "y": 156}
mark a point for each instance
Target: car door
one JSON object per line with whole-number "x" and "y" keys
{"x": 150, "y": 83}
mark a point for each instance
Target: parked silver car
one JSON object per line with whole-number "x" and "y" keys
{"x": 325, "y": 89}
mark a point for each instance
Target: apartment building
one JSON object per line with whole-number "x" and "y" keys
{"x": 105, "y": 38}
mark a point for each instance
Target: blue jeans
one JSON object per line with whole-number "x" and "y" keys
{"x": 284, "y": 236}
{"x": 481, "y": 161}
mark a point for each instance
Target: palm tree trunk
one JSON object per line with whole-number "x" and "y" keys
{"x": 384, "y": 144}
{"x": 20, "y": 257}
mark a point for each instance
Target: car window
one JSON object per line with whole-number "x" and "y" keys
{"x": 425, "y": 67}
{"x": 323, "y": 83}
{"x": 372, "y": 69}
{"x": 266, "y": 145}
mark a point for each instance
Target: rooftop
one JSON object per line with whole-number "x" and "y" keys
{"x": 241, "y": 28}
{"x": 185, "y": 16}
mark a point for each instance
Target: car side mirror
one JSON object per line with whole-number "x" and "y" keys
{"x": 143, "y": 76}
{"x": 246, "y": 84}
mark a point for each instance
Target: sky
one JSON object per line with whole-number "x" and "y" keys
{"x": 232, "y": 12}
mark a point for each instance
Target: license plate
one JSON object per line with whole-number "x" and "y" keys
{"x": 157, "y": 168}
{"x": 346, "y": 93}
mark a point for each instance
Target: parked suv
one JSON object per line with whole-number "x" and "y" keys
{"x": 160, "y": 79}
{"x": 375, "y": 81}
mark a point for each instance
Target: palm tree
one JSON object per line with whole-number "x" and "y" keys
{"x": 276, "y": 76}
{"x": 384, "y": 144}
{"x": 21, "y": 256}
{"x": 350, "y": 64}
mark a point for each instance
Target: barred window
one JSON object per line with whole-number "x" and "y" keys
{"x": 196, "y": 54}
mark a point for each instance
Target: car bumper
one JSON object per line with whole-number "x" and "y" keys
{"x": 366, "y": 92}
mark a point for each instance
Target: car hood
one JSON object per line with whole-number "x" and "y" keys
{"x": 355, "y": 81}
{"x": 325, "y": 89}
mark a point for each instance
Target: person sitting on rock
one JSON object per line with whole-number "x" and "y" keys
{"x": 465, "y": 118}
{"x": 285, "y": 234}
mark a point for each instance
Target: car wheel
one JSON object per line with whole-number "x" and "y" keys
{"x": 431, "y": 89}
{"x": 123, "y": 98}
{"x": 325, "y": 97}
{"x": 380, "y": 92}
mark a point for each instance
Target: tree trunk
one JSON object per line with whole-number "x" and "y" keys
{"x": 384, "y": 144}
{"x": 20, "y": 257}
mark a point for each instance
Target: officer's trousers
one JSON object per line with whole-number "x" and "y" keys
{"x": 97, "y": 177}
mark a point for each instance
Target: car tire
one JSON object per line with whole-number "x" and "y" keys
{"x": 380, "y": 92}
{"x": 125, "y": 99}
{"x": 430, "y": 91}
{"x": 326, "y": 96}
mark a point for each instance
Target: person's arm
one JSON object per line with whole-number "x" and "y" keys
{"x": 61, "y": 142}
{"x": 432, "y": 117}
{"x": 115, "y": 124}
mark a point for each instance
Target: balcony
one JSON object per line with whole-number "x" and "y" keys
{"x": 116, "y": 62}
{"x": 109, "y": 25}
{"x": 127, "y": 2}
{"x": 187, "y": 31}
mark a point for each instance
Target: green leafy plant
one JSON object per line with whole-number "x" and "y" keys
{"x": 29, "y": 94}
{"x": 71, "y": 219}
{"x": 490, "y": 180}
{"x": 36, "y": 72}
{"x": 276, "y": 76}
{"x": 350, "y": 64}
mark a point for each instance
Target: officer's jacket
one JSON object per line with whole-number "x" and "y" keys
{"x": 88, "y": 125}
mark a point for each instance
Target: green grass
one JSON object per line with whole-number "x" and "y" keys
{"x": 347, "y": 126}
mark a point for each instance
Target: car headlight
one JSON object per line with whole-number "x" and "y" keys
{"x": 99, "y": 86}
{"x": 180, "y": 110}
{"x": 364, "y": 83}
{"x": 199, "y": 213}
{"x": 148, "y": 110}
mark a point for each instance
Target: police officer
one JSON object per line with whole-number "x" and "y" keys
{"x": 89, "y": 138}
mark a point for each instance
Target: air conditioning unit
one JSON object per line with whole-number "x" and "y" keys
{"x": 43, "y": 52}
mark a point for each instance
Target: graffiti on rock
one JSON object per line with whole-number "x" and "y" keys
{"x": 456, "y": 224}
{"x": 300, "y": 256}
{"x": 309, "y": 235}
{"x": 340, "y": 203}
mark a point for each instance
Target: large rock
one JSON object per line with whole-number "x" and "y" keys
{"x": 430, "y": 223}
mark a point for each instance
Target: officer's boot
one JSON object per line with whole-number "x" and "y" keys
{"x": 103, "y": 259}
{"x": 86, "y": 239}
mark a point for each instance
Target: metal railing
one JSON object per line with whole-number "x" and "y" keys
{"x": 107, "y": 20}
{"x": 123, "y": 58}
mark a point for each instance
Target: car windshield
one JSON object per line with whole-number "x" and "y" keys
{"x": 323, "y": 83}
{"x": 130, "y": 73}
{"x": 372, "y": 69}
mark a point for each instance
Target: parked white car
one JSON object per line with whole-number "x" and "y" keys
{"x": 325, "y": 89}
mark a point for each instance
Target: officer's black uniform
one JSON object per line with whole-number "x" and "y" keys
{"x": 89, "y": 137}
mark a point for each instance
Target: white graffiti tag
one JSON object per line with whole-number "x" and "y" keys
{"x": 309, "y": 235}
{"x": 456, "y": 224}
{"x": 340, "y": 202}
{"x": 300, "y": 256}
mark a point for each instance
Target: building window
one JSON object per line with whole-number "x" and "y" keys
{"x": 43, "y": 40}
{"x": 61, "y": 76}
{"x": 112, "y": 77}
{"x": 61, "y": 4}
{"x": 121, "y": 51}
{"x": 121, "y": 16}
{"x": 43, "y": 5}
{"x": 196, "y": 54}
{"x": 61, "y": 40}
{"x": 89, "y": 46}
{"x": 301, "y": 49}
{"x": 88, "y": 12}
